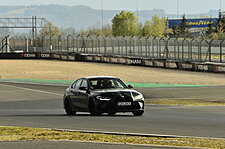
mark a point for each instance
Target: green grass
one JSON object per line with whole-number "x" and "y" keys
{"x": 68, "y": 82}
{"x": 37, "y": 134}
{"x": 159, "y": 85}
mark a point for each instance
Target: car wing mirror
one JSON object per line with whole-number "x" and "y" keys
{"x": 83, "y": 88}
{"x": 130, "y": 86}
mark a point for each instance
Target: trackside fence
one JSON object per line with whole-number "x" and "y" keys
{"x": 169, "y": 49}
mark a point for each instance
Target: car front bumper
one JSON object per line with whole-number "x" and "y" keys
{"x": 112, "y": 106}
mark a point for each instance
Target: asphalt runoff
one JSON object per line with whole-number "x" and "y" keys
{"x": 41, "y": 106}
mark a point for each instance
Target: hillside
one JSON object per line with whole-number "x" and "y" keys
{"x": 80, "y": 17}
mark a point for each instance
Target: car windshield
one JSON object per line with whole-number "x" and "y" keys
{"x": 106, "y": 83}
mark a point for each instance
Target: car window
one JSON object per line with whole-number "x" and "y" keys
{"x": 118, "y": 84}
{"x": 102, "y": 83}
{"x": 78, "y": 83}
{"x": 74, "y": 84}
{"x": 84, "y": 83}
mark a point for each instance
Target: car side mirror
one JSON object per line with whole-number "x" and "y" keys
{"x": 83, "y": 88}
{"x": 130, "y": 86}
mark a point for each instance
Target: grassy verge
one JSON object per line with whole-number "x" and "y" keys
{"x": 196, "y": 102}
{"x": 68, "y": 82}
{"x": 36, "y": 134}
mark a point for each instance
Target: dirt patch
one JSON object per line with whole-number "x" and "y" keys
{"x": 63, "y": 70}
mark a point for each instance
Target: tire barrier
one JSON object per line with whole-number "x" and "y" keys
{"x": 189, "y": 66}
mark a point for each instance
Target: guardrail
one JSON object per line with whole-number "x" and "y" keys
{"x": 170, "y": 49}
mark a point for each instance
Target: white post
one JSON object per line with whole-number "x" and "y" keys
{"x": 27, "y": 44}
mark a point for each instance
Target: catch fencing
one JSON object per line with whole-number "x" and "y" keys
{"x": 169, "y": 49}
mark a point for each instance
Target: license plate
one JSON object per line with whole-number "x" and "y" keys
{"x": 124, "y": 103}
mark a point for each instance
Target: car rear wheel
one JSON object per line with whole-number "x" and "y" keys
{"x": 138, "y": 113}
{"x": 68, "y": 108}
{"x": 92, "y": 109}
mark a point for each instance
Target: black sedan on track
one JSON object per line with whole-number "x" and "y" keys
{"x": 99, "y": 95}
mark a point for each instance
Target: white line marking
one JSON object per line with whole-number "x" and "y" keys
{"x": 46, "y": 84}
{"x": 33, "y": 90}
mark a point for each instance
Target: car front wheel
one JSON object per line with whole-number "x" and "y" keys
{"x": 92, "y": 109}
{"x": 112, "y": 113}
{"x": 68, "y": 108}
{"x": 138, "y": 113}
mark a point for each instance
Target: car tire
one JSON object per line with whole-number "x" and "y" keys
{"x": 138, "y": 113}
{"x": 68, "y": 108}
{"x": 92, "y": 109}
{"x": 112, "y": 113}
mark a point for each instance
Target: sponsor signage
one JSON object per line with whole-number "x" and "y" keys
{"x": 89, "y": 58}
{"x": 171, "y": 65}
{"x": 106, "y": 59}
{"x": 56, "y": 56}
{"x": 158, "y": 64}
{"x": 194, "y": 23}
{"x": 114, "y": 60}
{"x": 29, "y": 55}
{"x": 63, "y": 57}
{"x": 97, "y": 58}
{"x": 71, "y": 58}
{"x": 187, "y": 66}
{"x": 45, "y": 55}
{"x": 148, "y": 63}
{"x": 121, "y": 60}
{"x": 203, "y": 67}
{"x": 221, "y": 69}
{"x": 134, "y": 61}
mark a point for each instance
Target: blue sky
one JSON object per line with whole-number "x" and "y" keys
{"x": 170, "y": 6}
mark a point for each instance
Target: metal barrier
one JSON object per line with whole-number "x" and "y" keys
{"x": 172, "y": 49}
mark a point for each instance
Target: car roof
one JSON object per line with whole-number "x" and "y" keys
{"x": 98, "y": 77}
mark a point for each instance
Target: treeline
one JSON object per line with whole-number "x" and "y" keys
{"x": 123, "y": 24}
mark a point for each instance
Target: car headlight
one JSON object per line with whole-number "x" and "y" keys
{"x": 103, "y": 98}
{"x": 137, "y": 96}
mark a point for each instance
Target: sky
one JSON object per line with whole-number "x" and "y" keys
{"x": 170, "y": 6}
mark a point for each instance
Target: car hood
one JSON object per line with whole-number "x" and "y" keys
{"x": 115, "y": 92}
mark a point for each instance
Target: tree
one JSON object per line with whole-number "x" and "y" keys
{"x": 219, "y": 32}
{"x": 175, "y": 31}
{"x": 156, "y": 27}
{"x": 181, "y": 30}
{"x": 183, "y": 27}
{"x": 49, "y": 30}
{"x": 125, "y": 24}
{"x": 210, "y": 29}
{"x": 68, "y": 31}
{"x": 95, "y": 30}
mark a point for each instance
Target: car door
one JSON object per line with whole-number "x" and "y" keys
{"x": 84, "y": 94}
{"x": 74, "y": 93}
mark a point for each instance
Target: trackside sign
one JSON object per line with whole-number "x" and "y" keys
{"x": 133, "y": 61}
{"x": 194, "y": 23}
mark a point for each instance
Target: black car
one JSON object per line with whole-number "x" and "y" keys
{"x": 99, "y": 95}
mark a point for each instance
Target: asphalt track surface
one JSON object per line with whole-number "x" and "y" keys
{"x": 41, "y": 106}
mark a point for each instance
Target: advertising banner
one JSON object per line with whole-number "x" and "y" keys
{"x": 194, "y": 23}
{"x": 134, "y": 61}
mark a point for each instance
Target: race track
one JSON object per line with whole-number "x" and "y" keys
{"x": 41, "y": 106}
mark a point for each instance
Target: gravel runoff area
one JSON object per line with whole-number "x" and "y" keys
{"x": 64, "y": 70}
